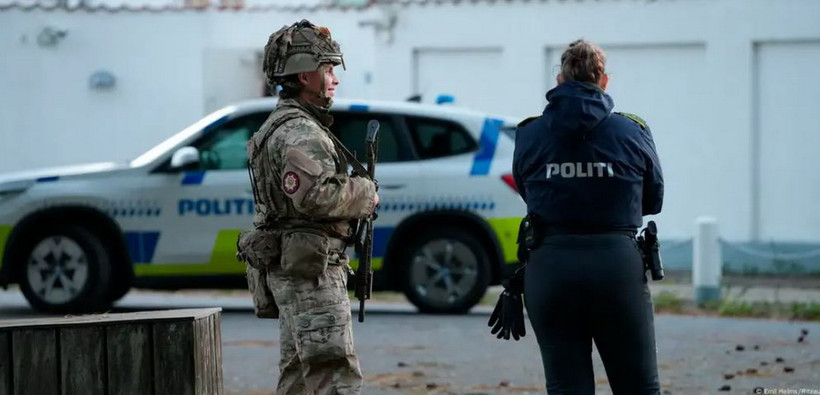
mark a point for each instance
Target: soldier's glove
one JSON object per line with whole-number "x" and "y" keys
{"x": 508, "y": 316}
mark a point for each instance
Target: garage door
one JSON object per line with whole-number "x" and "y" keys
{"x": 789, "y": 125}
{"x": 469, "y": 75}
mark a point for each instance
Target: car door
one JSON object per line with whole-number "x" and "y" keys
{"x": 446, "y": 152}
{"x": 207, "y": 205}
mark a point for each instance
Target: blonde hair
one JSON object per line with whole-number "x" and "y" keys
{"x": 583, "y": 61}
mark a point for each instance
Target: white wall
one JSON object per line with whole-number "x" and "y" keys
{"x": 687, "y": 67}
{"x": 171, "y": 69}
{"x": 728, "y": 86}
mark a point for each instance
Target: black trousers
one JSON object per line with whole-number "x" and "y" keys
{"x": 584, "y": 288}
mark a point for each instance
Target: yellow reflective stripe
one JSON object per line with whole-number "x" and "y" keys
{"x": 506, "y": 231}
{"x": 223, "y": 260}
{"x": 224, "y": 251}
{"x": 173, "y": 269}
{"x": 223, "y": 257}
{"x": 375, "y": 263}
{"x": 5, "y": 231}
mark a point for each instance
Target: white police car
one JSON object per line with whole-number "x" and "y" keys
{"x": 78, "y": 238}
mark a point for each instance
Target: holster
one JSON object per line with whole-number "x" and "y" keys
{"x": 528, "y": 238}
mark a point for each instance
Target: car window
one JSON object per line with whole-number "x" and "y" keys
{"x": 224, "y": 147}
{"x": 351, "y": 129}
{"x": 436, "y": 138}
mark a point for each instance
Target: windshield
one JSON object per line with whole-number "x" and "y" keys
{"x": 162, "y": 148}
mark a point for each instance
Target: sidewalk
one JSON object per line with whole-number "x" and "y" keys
{"x": 742, "y": 293}
{"x": 738, "y": 289}
{"x": 735, "y": 288}
{"x": 800, "y": 289}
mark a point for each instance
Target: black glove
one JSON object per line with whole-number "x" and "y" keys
{"x": 508, "y": 316}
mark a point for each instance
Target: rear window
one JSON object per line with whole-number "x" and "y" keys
{"x": 351, "y": 129}
{"x": 436, "y": 138}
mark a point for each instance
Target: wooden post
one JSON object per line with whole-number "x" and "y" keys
{"x": 82, "y": 360}
{"x": 130, "y": 359}
{"x": 35, "y": 363}
{"x": 5, "y": 363}
{"x": 147, "y": 353}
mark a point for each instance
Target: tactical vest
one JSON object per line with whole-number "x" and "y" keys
{"x": 274, "y": 210}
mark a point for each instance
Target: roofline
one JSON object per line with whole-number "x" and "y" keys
{"x": 125, "y": 8}
{"x": 268, "y": 103}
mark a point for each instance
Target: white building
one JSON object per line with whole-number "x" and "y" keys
{"x": 727, "y": 86}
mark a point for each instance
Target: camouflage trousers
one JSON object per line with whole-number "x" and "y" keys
{"x": 316, "y": 334}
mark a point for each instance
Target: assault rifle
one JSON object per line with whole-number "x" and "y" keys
{"x": 364, "y": 239}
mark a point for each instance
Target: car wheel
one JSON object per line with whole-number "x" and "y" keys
{"x": 66, "y": 270}
{"x": 118, "y": 291}
{"x": 445, "y": 270}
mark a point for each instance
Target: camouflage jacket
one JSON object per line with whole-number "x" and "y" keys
{"x": 300, "y": 175}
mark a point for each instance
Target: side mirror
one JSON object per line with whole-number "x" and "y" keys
{"x": 184, "y": 157}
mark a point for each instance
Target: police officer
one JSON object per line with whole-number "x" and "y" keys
{"x": 306, "y": 207}
{"x": 588, "y": 175}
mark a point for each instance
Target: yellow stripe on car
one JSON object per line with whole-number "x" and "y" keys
{"x": 506, "y": 231}
{"x": 5, "y": 231}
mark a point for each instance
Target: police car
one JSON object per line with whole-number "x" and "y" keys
{"x": 78, "y": 238}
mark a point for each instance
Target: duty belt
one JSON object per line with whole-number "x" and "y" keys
{"x": 548, "y": 231}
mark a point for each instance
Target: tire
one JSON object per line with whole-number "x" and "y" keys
{"x": 65, "y": 269}
{"x": 439, "y": 282}
{"x": 118, "y": 291}
{"x": 122, "y": 277}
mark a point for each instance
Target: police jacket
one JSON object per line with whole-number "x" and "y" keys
{"x": 581, "y": 166}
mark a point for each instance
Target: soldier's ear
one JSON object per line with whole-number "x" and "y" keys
{"x": 303, "y": 78}
{"x": 559, "y": 79}
{"x": 604, "y": 81}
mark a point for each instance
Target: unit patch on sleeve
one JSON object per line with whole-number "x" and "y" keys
{"x": 290, "y": 182}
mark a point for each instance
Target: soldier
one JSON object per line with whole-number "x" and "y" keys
{"x": 306, "y": 208}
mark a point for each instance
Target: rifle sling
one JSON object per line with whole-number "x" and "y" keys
{"x": 357, "y": 166}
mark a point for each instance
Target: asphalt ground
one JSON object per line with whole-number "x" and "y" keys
{"x": 403, "y": 352}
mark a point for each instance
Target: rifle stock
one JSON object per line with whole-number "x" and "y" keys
{"x": 364, "y": 241}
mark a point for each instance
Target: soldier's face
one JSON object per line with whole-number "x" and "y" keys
{"x": 323, "y": 77}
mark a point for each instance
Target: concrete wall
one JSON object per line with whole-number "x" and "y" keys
{"x": 171, "y": 68}
{"x": 719, "y": 82}
{"x": 727, "y": 86}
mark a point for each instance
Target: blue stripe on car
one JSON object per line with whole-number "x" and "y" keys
{"x": 141, "y": 245}
{"x": 48, "y": 179}
{"x": 193, "y": 178}
{"x": 359, "y": 108}
{"x": 380, "y": 238}
{"x": 488, "y": 142}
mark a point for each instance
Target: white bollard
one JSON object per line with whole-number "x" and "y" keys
{"x": 706, "y": 261}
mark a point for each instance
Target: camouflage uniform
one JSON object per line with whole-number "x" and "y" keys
{"x": 305, "y": 202}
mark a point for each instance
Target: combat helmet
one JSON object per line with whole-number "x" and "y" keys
{"x": 299, "y": 48}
